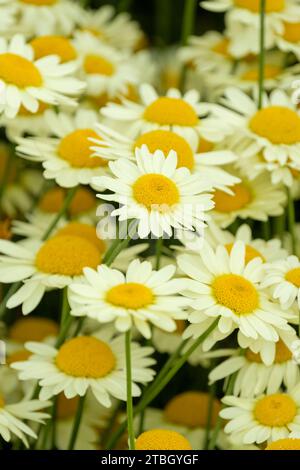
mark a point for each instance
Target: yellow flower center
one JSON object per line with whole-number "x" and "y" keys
{"x": 52, "y": 201}
{"x": 278, "y": 124}
{"x": 2, "y": 402}
{"x": 75, "y": 149}
{"x": 171, "y": 111}
{"x": 39, "y": 3}
{"x": 190, "y": 409}
{"x": 180, "y": 326}
{"x": 57, "y": 45}
{"x": 167, "y": 141}
{"x": 18, "y": 71}
{"x": 254, "y": 5}
{"x": 32, "y": 329}
{"x": 222, "y": 47}
{"x": 85, "y": 356}
{"x": 88, "y": 232}
{"x": 22, "y": 355}
{"x": 205, "y": 146}
{"x": 293, "y": 276}
{"x": 291, "y": 32}
{"x": 284, "y": 444}
{"x": 67, "y": 255}
{"x": 96, "y": 64}
{"x": 228, "y": 203}
{"x": 5, "y": 232}
{"x": 236, "y": 293}
{"x": 156, "y": 192}
{"x": 41, "y": 109}
{"x": 66, "y": 408}
{"x": 275, "y": 410}
{"x": 282, "y": 354}
{"x": 161, "y": 439}
{"x": 131, "y": 295}
{"x": 250, "y": 252}
{"x": 271, "y": 71}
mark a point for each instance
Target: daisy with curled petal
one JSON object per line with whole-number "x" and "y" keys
{"x": 141, "y": 296}
{"x": 222, "y": 285}
{"x": 96, "y": 363}
{"x": 265, "y": 418}
{"x": 12, "y": 417}
{"x": 106, "y": 70}
{"x": 254, "y": 377}
{"x": 284, "y": 279}
{"x": 66, "y": 155}
{"x": 271, "y": 133}
{"x": 156, "y": 193}
{"x": 208, "y": 165}
{"x": 174, "y": 111}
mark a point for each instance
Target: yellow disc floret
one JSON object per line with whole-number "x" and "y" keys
{"x": 236, "y": 293}
{"x": 57, "y": 45}
{"x": 18, "y": 71}
{"x": 22, "y": 355}
{"x": 225, "y": 202}
{"x": 32, "y": 329}
{"x": 155, "y": 191}
{"x": 254, "y": 5}
{"x": 167, "y": 141}
{"x": 250, "y": 252}
{"x": 95, "y": 64}
{"x": 67, "y": 255}
{"x": 83, "y": 201}
{"x": 277, "y": 124}
{"x": 205, "y": 146}
{"x": 284, "y": 444}
{"x": 85, "y": 231}
{"x": 39, "y": 3}
{"x": 291, "y": 32}
{"x": 221, "y": 48}
{"x": 282, "y": 354}
{"x": 75, "y": 149}
{"x": 161, "y": 439}
{"x": 271, "y": 71}
{"x": 190, "y": 409}
{"x": 293, "y": 276}
{"x": 130, "y": 295}
{"x": 85, "y": 356}
{"x": 275, "y": 410}
{"x": 171, "y": 111}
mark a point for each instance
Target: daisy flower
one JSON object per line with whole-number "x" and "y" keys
{"x": 265, "y": 418}
{"x": 53, "y": 45}
{"x": 37, "y": 17}
{"x": 289, "y": 443}
{"x": 26, "y": 122}
{"x": 284, "y": 278}
{"x": 174, "y": 111}
{"x": 254, "y": 377}
{"x": 106, "y": 71}
{"x": 139, "y": 297}
{"x": 272, "y": 133}
{"x": 13, "y": 415}
{"x": 25, "y": 81}
{"x": 156, "y": 193}
{"x": 242, "y": 19}
{"x": 95, "y": 363}
{"x": 66, "y": 155}
{"x": 288, "y": 37}
{"x": 255, "y": 198}
{"x": 208, "y": 165}
{"x": 222, "y": 285}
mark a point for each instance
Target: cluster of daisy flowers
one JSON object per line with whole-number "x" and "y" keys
{"x": 149, "y": 244}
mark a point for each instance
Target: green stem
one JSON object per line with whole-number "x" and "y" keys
{"x": 163, "y": 18}
{"x": 76, "y": 424}
{"x": 118, "y": 245}
{"x": 158, "y": 250}
{"x": 266, "y": 230}
{"x": 11, "y": 291}
{"x": 129, "y": 390}
{"x": 291, "y": 220}
{"x": 164, "y": 380}
{"x": 261, "y": 63}
{"x": 5, "y": 178}
{"x": 279, "y": 226}
{"x": 63, "y": 210}
{"x": 212, "y": 394}
{"x": 110, "y": 425}
{"x": 188, "y": 23}
{"x": 124, "y": 5}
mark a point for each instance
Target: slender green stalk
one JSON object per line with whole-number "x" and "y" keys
{"x": 6, "y": 175}
{"x": 129, "y": 390}
{"x": 158, "y": 250}
{"x": 188, "y": 23}
{"x": 279, "y": 226}
{"x": 119, "y": 245}
{"x": 11, "y": 291}
{"x": 212, "y": 395}
{"x": 110, "y": 425}
{"x": 76, "y": 424}
{"x": 63, "y": 211}
{"x": 158, "y": 385}
{"x": 124, "y": 5}
{"x": 291, "y": 220}
{"x": 163, "y": 22}
{"x": 261, "y": 63}
{"x": 266, "y": 229}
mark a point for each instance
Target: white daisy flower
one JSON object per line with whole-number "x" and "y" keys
{"x": 243, "y": 23}
{"x": 254, "y": 377}
{"x": 223, "y": 286}
{"x": 106, "y": 71}
{"x": 272, "y": 133}
{"x": 208, "y": 165}
{"x": 13, "y": 415}
{"x": 141, "y": 296}
{"x": 37, "y": 17}
{"x": 53, "y": 45}
{"x": 288, "y": 37}
{"x": 156, "y": 193}
{"x": 174, "y": 111}
{"x": 66, "y": 155}
{"x": 26, "y": 122}
{"x": 265, "y": 418}
{"x": 95, "y": 363}
{"x": 284, "y": 278}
